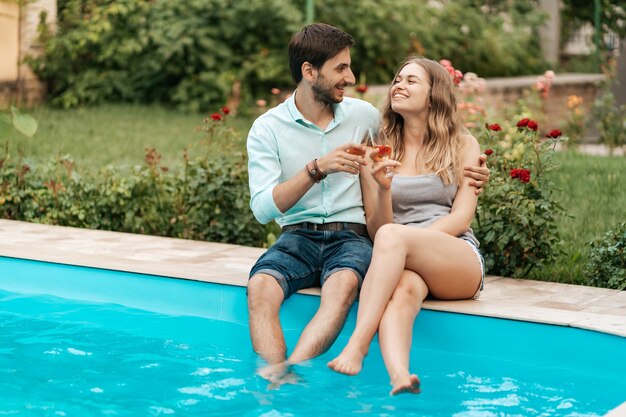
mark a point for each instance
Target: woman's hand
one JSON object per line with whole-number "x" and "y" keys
{"x": 380, "y": 168}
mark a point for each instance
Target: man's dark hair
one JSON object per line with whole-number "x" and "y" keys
{"x": 315, "y": 44}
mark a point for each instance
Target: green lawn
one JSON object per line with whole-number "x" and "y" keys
{"x": 593, "y": 191}
{"x": 592, "y": 188}
{"x": 116, "y": 134}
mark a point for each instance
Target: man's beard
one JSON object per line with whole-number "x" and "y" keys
{"x": 324, "y": 93}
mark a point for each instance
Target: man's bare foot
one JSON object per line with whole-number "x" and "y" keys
{"x": 408, "y": 385}
{"x": 273, "y": 371}
{"x": 349, "y": 361}
{"x": 278, "y": 374}
{"x": 289, "y": 377}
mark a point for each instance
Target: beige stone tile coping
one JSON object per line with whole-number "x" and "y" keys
{"x": 619, "y": 411}
{"x": 590, "y": 308}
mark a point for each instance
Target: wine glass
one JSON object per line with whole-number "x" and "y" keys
{"x": 360, "y": 136}
{"x": 384, "y": 152}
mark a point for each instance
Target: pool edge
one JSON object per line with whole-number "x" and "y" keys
{"x": 220, "y": 263}
{"x": 619, "y": 411}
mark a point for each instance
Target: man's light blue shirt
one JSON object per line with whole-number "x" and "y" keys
{"x": 280, "y": 144}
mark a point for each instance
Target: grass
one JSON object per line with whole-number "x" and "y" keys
{"x": 591, "y": 188}
{"x": 593, "y": 192}
{"x": 115, "y": 134}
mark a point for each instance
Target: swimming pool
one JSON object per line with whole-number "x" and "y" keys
{"x": 83, "y": 341}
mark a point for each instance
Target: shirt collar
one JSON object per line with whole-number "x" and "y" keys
{"x": 293, "y": 109}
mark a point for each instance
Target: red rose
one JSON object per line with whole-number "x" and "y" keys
{"x": 555, "y": 133}
{"x": 457, "y": 77}
{"x": 216, "y": 116}
{"x": 489, "y": 152}
{"x": 225, "y": 110}
{"x": 532, "y": 125}
{"x": 525, "y": 175}
{"x": 495, "y": 127}
{"x": 523, "y": 122}
{"x": 520, "y": 173}
{"x": 361, "y": 88}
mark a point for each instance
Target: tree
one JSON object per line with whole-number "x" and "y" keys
{"x": 579, "y": 12}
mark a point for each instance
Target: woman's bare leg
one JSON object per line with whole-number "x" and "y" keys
{"x": 375, "y": 294}
{"x": 447, "y": 264}
{"x": 395, "y": 332}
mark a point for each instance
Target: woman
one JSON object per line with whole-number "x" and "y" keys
{"x": 420, "y": 219}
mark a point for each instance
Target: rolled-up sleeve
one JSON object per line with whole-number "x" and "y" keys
{"x": 264, "y": 171}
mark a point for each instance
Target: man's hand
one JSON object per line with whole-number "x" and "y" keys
{"x": 346, "y": 158}
{"x": 479, "y": 175}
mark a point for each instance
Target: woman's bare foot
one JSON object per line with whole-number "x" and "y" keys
{"x": 349, "y": 361}
{"x": 406, "y": 385}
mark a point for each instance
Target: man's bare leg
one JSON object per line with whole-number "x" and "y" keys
{"x": 265, "y": 296}
{"x": 338, "y": 294}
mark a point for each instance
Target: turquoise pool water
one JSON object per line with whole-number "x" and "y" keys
{"x": 86, "y": 342}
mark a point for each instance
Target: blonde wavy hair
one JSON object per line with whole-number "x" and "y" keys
{"x": 442, "y": 144}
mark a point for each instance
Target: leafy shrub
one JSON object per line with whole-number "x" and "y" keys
{"x": 610, "y": 120}
{"x": 607, "y": 115}
{"x": 380, "y": 29}
{"x": 517, "y": 213}
{"x": 193, "y": 53}
{"x": 188, "y": 53}
{"x": 607, "y": 260}
{"x": 493, "y": 39}
{"x": 207, "y": 200}
{"x": 516, "y": 217}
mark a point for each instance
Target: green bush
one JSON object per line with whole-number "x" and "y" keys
{"x": 207, "y": 200}
{"x": 188, "y": 53}
{"x": 607, "y": 260}
{"x": 493, "y": 39}
{"x": 191, "y": 53}
{"x": 516, "y": 218}
{"x": 610, "y": 119}
{"x": 606, "y": 114}
{"x": 380, "y": 29}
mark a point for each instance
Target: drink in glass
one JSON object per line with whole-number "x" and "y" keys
{"x": 384, "y": 152}
{"x": 359, "y": 138}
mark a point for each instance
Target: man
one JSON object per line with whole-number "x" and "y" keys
{"x": 295, "y": 152}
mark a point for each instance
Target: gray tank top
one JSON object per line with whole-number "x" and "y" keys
{"x": 420, "y": 200}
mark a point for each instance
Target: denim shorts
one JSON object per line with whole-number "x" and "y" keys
{"x": 481, "y": 261}
{"x": 306, "y": 258}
